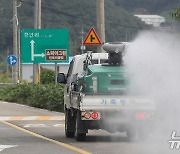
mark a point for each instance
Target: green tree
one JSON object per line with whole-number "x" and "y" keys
{"x": 176, "y": 13}
{"x": 47, "y": 76}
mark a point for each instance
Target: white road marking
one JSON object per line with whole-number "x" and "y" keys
{"x": 35, "y": 125}
{"x": 58, "y": 125}
{"x": 4, "y": 118}
{"x": 2, "y": 147}
{"x": 4, "y": 102}
{"x": 30, "y": 118}
{"x": 42, "y": 125}
{"x": 19, "y": 118}
{"x": 59, "y": 113}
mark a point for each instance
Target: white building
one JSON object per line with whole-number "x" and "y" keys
{"x": 154, "y": 20}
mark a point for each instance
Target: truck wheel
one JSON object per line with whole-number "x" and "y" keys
{"x": 70, "y": 123}
{"x": 143, "y": 135}
{"x": 80, "y": 135}
{"x": 131, "y": 134}
{"x": 144, "y": 131}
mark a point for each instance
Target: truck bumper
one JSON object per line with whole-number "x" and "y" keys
{"x": 117, "y": 113}
{"x": 116, "y": 102}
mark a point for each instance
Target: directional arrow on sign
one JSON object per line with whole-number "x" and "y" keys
{"x": 12, "y": 60}
{"x": 32, "y": 51}
{"x": 2, "y": 147}
{"x": 39, "y": 55}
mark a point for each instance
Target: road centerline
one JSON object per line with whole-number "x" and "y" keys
{"x": 47, "y": 139}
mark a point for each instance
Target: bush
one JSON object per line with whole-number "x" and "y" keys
{"x": 5, "y": 78}
{"x": 46, "y": 96}
{"x": 47, "y": 76}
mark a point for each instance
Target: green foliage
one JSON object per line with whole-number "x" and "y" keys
{"x": 149, "y": 6}
{"x": 47, "y": 76}
{"x": 46, "y": 96}
{"x": 5, "y": 78}
{"x": 176, "y": 13}
{"x": 73, "y": 15}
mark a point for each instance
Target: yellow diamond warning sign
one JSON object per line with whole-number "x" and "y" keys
{"x": 92, "y": 38}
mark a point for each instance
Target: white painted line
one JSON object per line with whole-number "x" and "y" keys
{"x": 57, "y": 118}
{"x": 2, "y": 147}
{"x": 61, "y": 113}
{"x": 30, "y": 118}
{"x": 20, "y": 118}
{"x": 35, "y": 126}
{"x": 4, "y": 118}
{"x": 59, "y": 125}
{"x": 42, "y": 125}
{"x": 4, "y": 102}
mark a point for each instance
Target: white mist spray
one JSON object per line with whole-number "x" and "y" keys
{"x": 153, "y": 60}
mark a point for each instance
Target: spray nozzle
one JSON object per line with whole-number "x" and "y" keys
{"x": 115, "y": 51}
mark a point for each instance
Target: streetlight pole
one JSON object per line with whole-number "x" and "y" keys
{"x": 100, "y": 23}
{"x": 15, "y": 44}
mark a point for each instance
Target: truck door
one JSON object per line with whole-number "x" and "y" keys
{"x": 67, "y": 88}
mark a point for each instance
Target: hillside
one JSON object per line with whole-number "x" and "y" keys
{"x": 121, "y": 25}
{"x": 147, "y": 6}
{"x": 74, "y": 16}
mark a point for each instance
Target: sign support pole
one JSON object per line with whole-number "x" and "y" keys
{"x": 12, "y": 70}
{"x": 56, "y": 73}
{"x": 7, "y": 66}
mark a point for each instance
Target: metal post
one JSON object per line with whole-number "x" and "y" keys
{"x": 56, "y": 73}
{"x": 82, "y": 39}
{"x": 7, "y": 65}
{"x": 12, "y": 73}
{"x": 19, "y": 56}
{"x": 15, "y": 46}
{"x": 100, "y": 23}
{"x": 37, "y": 25}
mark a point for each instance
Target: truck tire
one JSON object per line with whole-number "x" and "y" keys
{"x": 80, "y": 133}
{"x": 70, "y": 123}
{"x": 131, "y": 134}
{"x": 144, "y": 131}
{"x": 143, "y": 135}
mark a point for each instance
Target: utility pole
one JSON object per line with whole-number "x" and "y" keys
{"x": 100, "y": 23}
{"x": 37, "y": 25}
{"x": 15, "y": 44}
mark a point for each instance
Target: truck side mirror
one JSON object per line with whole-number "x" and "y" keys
{"x": 61, "y": 78}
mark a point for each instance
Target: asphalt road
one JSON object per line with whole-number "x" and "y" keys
{"x": 26, "y": 130}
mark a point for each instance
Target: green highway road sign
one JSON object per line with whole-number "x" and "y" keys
{"x": 44, "y": 45}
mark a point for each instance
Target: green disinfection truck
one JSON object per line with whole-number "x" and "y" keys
{"x": 96, "y": 96}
